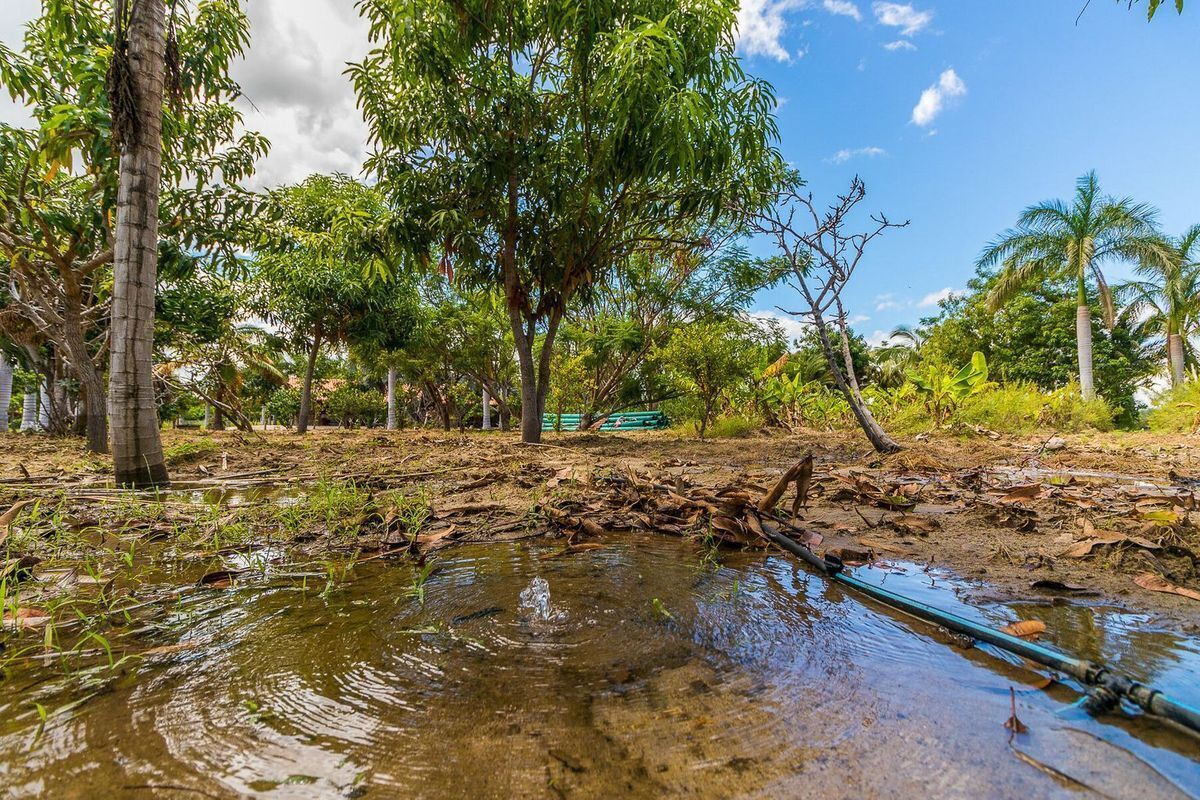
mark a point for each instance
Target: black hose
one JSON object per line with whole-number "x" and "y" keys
{"x": 1106, "y": 688}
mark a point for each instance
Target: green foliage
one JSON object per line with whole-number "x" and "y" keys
{"x": 1022, "y": 408}
{"x": 1031, "y": 339}
{"x": 1176, "y": 410}
{"x": 943, "y": 390}
{"x": 540, "y": 144}
{"x": 734, "y": 426}
{"x": 352, "y": 406}
{"x": 798, "y": 403}
{"x": 283, "y": 405}
{"x": 709, "y": 358}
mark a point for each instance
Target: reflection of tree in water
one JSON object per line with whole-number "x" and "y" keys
{"x": 1107, "y": 636}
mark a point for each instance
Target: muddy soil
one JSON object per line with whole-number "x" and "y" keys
{"x": 1041, "y": 517}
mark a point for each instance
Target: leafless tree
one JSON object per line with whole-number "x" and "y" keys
{"x": 821, "y": 257}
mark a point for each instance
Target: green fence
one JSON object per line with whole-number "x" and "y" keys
{"x": 623, "y": 421}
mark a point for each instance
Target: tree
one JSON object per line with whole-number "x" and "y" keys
{"x": 612, "y": 336}
{"x": 59, "y": 180}
{"x": 1053, "y": 239}
{"x": 710, "y": 357}
{"x": 822, "y": 257}
{"x": 1166, "y": 302}
{"x": 306, "y": 282}
{"x": 541, "y": 144}
{"x": 136, "y": 79}
{"x": 6, "y": 384}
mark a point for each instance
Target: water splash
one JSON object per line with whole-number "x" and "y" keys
{"x": 535, "y": 600}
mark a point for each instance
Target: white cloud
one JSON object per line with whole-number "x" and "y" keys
{"x": 899, "y": 44}
{"x": 933, "y": 99}
{"x": 846, "y": 153}
{"x": 883, "y": 302}
{"x": 934, "y": 298}
{"x": 761, "y": 26}
{"x": 878, "y": 338}
{"x": 294, "y": 90}
{"x": 902, "y": 16}
{"x": 793, "y": 327}
{"x": 843, "y": 8}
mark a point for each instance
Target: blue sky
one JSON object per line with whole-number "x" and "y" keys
{"x": 1021, "y": 102}
{"x": 1033, "y": 101}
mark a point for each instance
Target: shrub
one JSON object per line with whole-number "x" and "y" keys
{"x": 1176, "y": 410}
{"x": 283, "y": 405}
{"x": 352, "y": 406}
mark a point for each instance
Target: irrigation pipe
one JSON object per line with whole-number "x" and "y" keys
{"x": 1105, "y": 687}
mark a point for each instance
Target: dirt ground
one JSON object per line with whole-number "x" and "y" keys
{"x": 1102, "y": 517}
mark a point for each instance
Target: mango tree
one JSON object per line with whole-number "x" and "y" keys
{"x": 541, "y": 144}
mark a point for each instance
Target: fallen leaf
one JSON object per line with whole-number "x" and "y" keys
{"x": 1020, "y": 494}
{"x": 1013, "y": 724}
{"x": 1157, "y": 583}
{"x": 1025, "y": 629}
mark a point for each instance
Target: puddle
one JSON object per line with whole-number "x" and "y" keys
{"x": 625, "y": 671}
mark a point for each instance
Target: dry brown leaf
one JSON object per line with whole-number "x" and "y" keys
{"x": 7, "y": 518}
{"x": 1025, "y": 629}
{"x": 1157, "y": 583}
{"x": 1021, "y": 494}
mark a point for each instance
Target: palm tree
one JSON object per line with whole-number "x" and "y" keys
{"x": 136, "y": 84}
{"x": 1167, "y": 301}
{"x": 1053, "y": 240}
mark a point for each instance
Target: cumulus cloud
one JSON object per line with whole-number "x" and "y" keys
{"x": 761, "y": 26}
{"x": 935, "y": 298}
{"x": 843, "y": 8}
{"x": 295, "y": 92}
{"x": 878, "y": 338}
{"x": 899, "y": 44}
{"x": 902, "y": 16}
{"x": 846, "y": 153}
{"x": 933, "y": 99}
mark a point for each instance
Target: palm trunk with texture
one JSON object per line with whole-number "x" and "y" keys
{"x": 137, "y": 445}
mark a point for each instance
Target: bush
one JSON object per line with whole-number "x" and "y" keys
{"x": 1023, "y": 408}
{"x": 283, "y": 405}
{"x": 352, "y": 406}
{"x": 1176, "y": 410}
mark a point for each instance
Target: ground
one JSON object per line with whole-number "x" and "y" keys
{"x": 1095, "y": 516}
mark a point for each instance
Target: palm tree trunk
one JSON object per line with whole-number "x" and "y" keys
{"x": 306, "y": 389}
{"x": 137, "y": 446}
{"x": 1175, "y": 358}
{"x": 487, "y": 410}
{"x": 391, "y": 399}
{"x": 1083, "y": 339}
{"x": 6, "y": 381}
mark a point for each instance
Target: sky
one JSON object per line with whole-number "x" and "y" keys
{"x": 956, "y": 115}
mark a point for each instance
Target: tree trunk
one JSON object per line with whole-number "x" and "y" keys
{"x": 218, "y": 419}
{"x": 487, "y": 410}
{"x": 137, "y": 446}
{"x": 1175, "y": 358}
{"x": 29, "y": 409}
{"x": 44, "y": 407}
{"x": 6, "y": 381}
{"x": 262, "y": 414}
{"x": 875, "y": 433}
{"x": 306, "y": 389}
{"x": 1083, "y": 339}
{"x": 391, "y": 398}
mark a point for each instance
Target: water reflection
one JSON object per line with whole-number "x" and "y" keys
{"x": 650, "y": 676}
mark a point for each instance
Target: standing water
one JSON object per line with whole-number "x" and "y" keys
{"x": 659, "y": 676}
